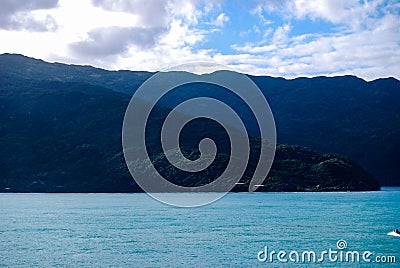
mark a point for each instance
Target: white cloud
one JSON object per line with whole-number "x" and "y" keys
{"x": 366, "y": 43}
{"x": 220, "y": 20}
{"x": 362, "y": 53}
{"x": 150, "y": 13}
{"x": 111, "y": 34}
{"x": 258, "y": 11}
{"x": 281, "y": 34}
{"x": 22, "y": 15}
{"x": 154, "y": 34}
{"x": 186, "y": 10}
{"x": 254, "y": 49}
{"x": 352, "y": 14}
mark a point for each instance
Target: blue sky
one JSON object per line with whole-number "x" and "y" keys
{"x": 288, "y": 38}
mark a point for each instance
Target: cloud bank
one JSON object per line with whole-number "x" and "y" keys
{"x": 20, "y": 15}
{"x": 288, "y": 38}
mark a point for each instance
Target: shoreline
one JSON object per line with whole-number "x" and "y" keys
{"x": 383, "y": 188}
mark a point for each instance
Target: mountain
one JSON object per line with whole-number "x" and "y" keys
{"x": 16, "y": 70}
{"x": 66, "y": 137}
{"x": 342, "y": 115}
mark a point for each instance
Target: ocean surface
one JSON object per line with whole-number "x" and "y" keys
{"x": 133, "y": 230}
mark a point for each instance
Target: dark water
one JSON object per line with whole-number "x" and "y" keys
{"x": 102, "y": 230}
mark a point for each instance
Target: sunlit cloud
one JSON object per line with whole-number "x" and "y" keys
{"x": 288, "y": 38}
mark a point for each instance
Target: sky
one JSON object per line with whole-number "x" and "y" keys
{"x": 285, "y": 38}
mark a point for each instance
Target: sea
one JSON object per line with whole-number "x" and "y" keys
{"x": 239, "y": 230}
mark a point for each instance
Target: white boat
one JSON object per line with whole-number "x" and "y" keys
{"x": 393, "y": 233}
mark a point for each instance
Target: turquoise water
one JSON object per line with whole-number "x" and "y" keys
{"x": 102, "y": 230}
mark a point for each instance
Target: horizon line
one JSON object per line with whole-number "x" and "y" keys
{"x": 205, "y": 73}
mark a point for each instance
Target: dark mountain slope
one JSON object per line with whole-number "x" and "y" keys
{"x": 344, "y": 115}
{"x": 66, "y": 137}
{"x": 14, "y": 68}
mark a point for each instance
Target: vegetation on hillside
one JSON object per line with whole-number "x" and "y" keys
{"x": 66, "y": 137}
